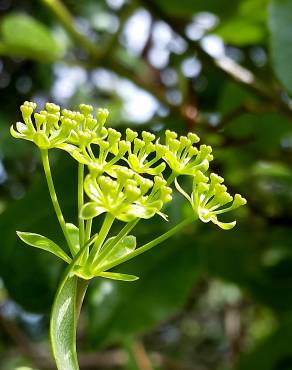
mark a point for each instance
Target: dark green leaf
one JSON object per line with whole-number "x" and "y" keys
{"x": 33, "y": 286}
{"x": 189, "y": 7}
{"x": 273, "y": 353}
{"x": 167, "y": 274}
{"x": 280, "y": 20}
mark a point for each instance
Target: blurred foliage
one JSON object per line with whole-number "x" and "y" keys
{"x": 207, "y": 299}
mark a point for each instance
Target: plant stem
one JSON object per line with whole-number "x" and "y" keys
{"x": 107, "y": 223}
{"x": 53, "y": 195}
{"x": 171, "y": 178}
{"x": 80, "y": 202}
{"x": 149, "y": 245}
{"x": 88, "y": 229}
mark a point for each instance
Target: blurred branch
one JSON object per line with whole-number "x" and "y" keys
{"x": 247, "y": 107}
{"x": 141, "y": 357}
{"x": 28, "y": 349}
{"x": 225, "y": 65}
{"x": 99, "y": 57}
{"x": 124, "y": 15}
{"x": 66, "y": 19}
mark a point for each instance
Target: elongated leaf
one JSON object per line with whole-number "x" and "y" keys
{"x": 42, "y": 242}
{"x": 118, "y": 276}
{"x": 24, "y": 36}
{"x": 73, "y": 232}
{"x": 64, "y": 316}
{"x": 63, "y": 325}
{"x": 280, "y": 20}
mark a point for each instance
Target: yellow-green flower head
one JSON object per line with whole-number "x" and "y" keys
{"x": 139, "y": 151}
{"x": 47, "y": 129}
{"x": 127, "y": 197}
{"x": 89, "y": 129}
{"x": 209, "y": 198}
{"x": 183, "y": 157}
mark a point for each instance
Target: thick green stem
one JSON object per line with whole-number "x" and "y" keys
{"x": 53, "y": 195}
{"x": 107, "y": 224}
{"x": 149, "y": 245}
{"x": 80, "y": 202}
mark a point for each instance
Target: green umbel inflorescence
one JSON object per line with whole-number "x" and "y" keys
{"x": 120, "y": 177}
{"x": 126, "y": 175}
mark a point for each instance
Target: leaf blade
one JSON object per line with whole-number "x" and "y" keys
{"x": 63, "y": 325}
{"x": 44, "y": 243}
{"x": 118, "y": 276}
{"x": 24, "y": 36}
{"x": 280, "y": 19}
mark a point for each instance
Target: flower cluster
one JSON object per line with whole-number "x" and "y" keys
{"x": 126, "y": 175}
{"x": 126, "y": 198}
{"x": 209, "y": 197}
{"x": 47, "y": 130}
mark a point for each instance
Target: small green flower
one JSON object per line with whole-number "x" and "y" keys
{"x": 183, "y": 157}
{"x": 140, "y": 150}
{"x": 87, "y": 131}
{"x": 47, "y": 129}
{"x": 128, "y": 197}
{"x": 208, "y": 198}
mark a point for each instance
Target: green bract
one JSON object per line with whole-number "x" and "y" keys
{"x": 127, "y": 178}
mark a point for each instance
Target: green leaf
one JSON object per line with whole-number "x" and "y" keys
{"x": 122, "y": 248}
{"x": 73, "y": 233}
{"x": 247, "y": 25}
{"x": 41, "y": 242}
{"x": 273, "y": 352}
{"x": 63, "y": 325}
{"x": 241, "y": 32}
{"x": 118, "y": 276}
{"x": 280, "y": 20}
{"x": 64, "y": 317}
{"x": 22, "y": 35}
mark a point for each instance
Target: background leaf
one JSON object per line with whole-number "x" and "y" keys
{"x": 24, "y": 36}
{"x": 166, "y": 275}
{"x": 280, "y": 18}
